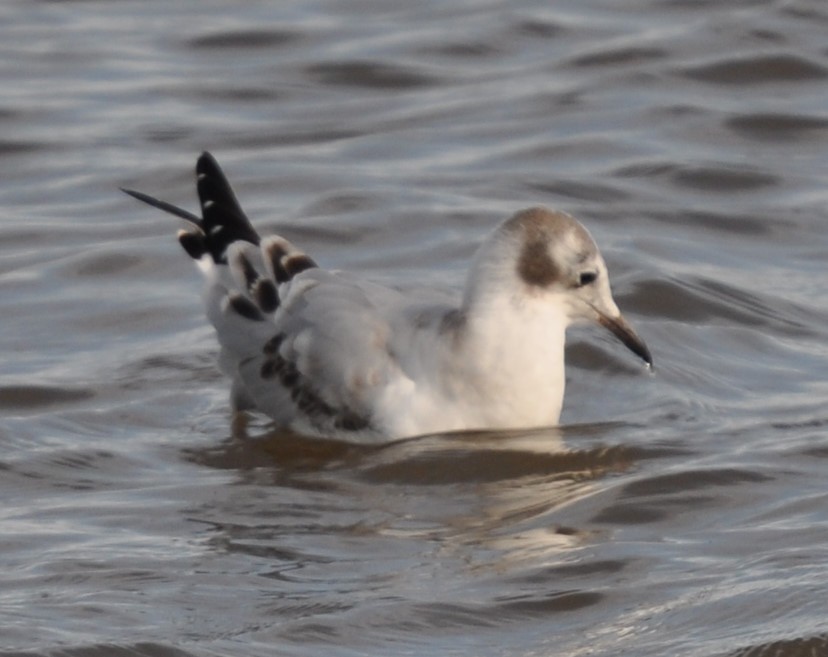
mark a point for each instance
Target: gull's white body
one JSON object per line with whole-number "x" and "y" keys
{"x": 401, "y": 360}
{"x": 342, "y": 356}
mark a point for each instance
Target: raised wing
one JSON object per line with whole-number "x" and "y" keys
{"x": 307, "y": 346}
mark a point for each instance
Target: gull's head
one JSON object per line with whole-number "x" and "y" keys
{"x": 547, "y": 256}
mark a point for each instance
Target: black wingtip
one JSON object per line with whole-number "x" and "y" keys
{"x": 207, "y": 160}
{"x": 222, "y": 220}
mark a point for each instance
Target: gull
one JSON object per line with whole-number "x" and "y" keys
{"x": 328, "y": 353}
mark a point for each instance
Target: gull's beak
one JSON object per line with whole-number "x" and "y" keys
{"x": 619, "y": 327}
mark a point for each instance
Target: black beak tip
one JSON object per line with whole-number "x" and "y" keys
{"x": 619, "y": 327}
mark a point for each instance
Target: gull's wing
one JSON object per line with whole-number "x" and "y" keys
{"x": 309, "y": 347}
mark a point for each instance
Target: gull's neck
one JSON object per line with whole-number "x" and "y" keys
{"x": 513, "y": 346}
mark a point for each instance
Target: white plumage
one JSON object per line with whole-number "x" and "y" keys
{"x": 328, "y": 353}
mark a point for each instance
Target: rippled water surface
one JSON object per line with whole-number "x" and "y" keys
{"x": 679, "y": 513}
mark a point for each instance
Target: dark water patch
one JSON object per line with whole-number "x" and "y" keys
{"x": 626, "y": 56}
{"x": 554, "y": 603}
{"x": 661, "y": 497}
{"x": 771, "y": 36}
{"x": 452, "y": 618}
{"x": 557, "y": 573}
{"x": 582, "y": 191}
{"x": 192, "y": 371}
{"x": 370, "y": 75}
{"x": 689, "y": 480}
{"x": 246, "y": 39}
{"x": 447, "y": 616}
{"x": 749, "y": 225}
{"x": 810, "y": 12}
{"x": 816, "y": 452}
{"x": 106, "y": 264}
{"x": 264, "y": 544}
{"x": 322, "y": 135}
{"x": 703, "y": 301}
{"x": 539, "y": 29}
{"x": 412, "y": 619}
{"x": 629, "y": 514}
{"x": 80, "y": 460}
{"x": 720, "y": 178}
{"x": 816, "y": 423}
{"x": 341, "y": 203}
{"x": 68, "y": 470}
{"x": 678, "y": 301}
{"x": 35, "y": 397}
{"x": 750, "y": 308}
{"x": 166, "y": 134}
{"x": 769, "y": 126}
{"x": 464, "y": 50}
{"x": 758, "y": 69}
{"x": 812, "y": 646}
{"x": 232, "y": 93}
{"x": 11, "y": 147}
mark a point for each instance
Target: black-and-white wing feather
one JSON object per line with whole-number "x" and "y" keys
{"x": 278, "y": 318}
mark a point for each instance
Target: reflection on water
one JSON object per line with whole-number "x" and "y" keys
{"x": 681, "y": 512}
{"x": 451, "y": 507}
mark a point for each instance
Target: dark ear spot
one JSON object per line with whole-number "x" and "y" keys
{"x": 535, "y": 266}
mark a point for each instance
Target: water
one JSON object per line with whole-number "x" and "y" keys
{"x": 684, "y": 513}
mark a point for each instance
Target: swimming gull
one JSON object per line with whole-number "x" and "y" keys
{"x": 329, "y": 353}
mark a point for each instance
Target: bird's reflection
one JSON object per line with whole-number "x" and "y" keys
{"x": 466, "y": 491}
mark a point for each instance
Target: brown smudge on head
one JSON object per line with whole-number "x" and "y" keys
{"x": 538, "y": 230}
{"x": 535, "y": 265}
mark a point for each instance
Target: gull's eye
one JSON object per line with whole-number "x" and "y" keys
{"x": 587, "y": 277}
